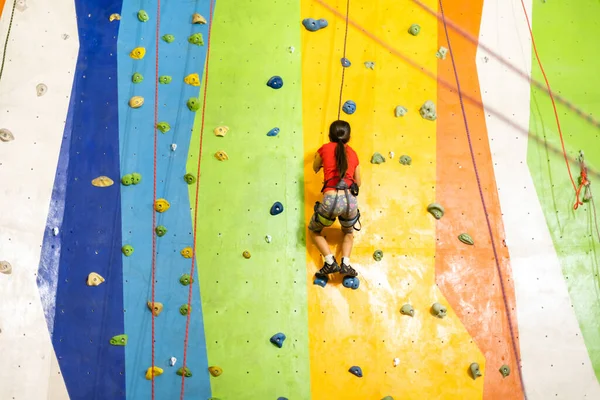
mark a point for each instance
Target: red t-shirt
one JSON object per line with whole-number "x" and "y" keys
{"x": 327, "y": 153}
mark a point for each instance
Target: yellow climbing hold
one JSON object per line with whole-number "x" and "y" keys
{"x": 198, "y": 19}
{"x": 215, "y": 371}
{"x": 192, "y": 79}
{"x": 221, "y": 156}
{"x": 221, "y": 130}
{"x": 114, "y": 17}
{"x": 187, "y": 252}
{"x": 136, "y": 102}
{"x": 153, "y": 371}
{"x": 161, "y": 205}
{"x": 246, "y": 254}
{"x": 94, "y": 279}
{"x": 156, "y": 308}
{"x": 138, "y": 53}
{"x": 102, "y": 181}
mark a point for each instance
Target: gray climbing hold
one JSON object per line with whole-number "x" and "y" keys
{"x": 370, "y": 64}
{"x": 438, "y": 310}
{"x": 5, "y": 268}
{"x": 436, "y": 210}
{"x": 405, "y": 160}
{"x": 41, "y": 89}
{"x": 428, "y": 111}
{"x": 475, "y": 372}
{"x": 466, "y": 239}
{"x": 377, "y": 158}
{"x": 378, "y": 255}
{"x": 6, "y": 135}
{"x": 346, "y": 63}
{"x": 356, "y": 371}
{"x": 407, "y": 309}
{"x": 400, "y": 111}
{"x": 414, "y": 29}
{"x": 504, "y": 370}
{"x": 441, "y": 53}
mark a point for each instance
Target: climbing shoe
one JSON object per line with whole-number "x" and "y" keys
{"x": 348, "y": 270}
{"x": 328, "y": 269}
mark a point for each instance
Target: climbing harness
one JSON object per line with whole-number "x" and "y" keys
{"x": 12, "y": 15}
{"x": 328, "y": 220}
{"x": 583, "y": 183}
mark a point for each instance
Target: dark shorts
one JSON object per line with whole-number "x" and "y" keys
{"x": 346, "y": 208}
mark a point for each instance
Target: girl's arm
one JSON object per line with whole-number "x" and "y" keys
{"x": 317, "y": 163}
{"x": 357, "y": 175}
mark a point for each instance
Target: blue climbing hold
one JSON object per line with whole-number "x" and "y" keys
{"x": 275, "y": 82}
{"x": 276, "y": 208}
{"x": 355, "y": 283}
{"x": 356, "y": 371}
{"x": 346, "y": 63}
{"x": 273, "y": 132}
{"x": 277, "y": 339}
{"x": 282, "y": 398}
{"x": 322, "y": 23}
{"x": 320, "y": 282}
{"x": 311, "y": 24}
{"x": 351, "y": 282}
{"x": 349, "y": 107}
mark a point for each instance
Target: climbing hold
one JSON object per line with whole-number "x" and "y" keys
{"x": 41, "y": 89}
{"x": 221, "y": 155}
{"x": 136, "y": 102}
{"x": 173, "y": 146}
{"x": 165, "y": 79}
{"x": 6, "y": 135}
{"x": 119, "y": 340}
{"x": 126, "y": 179}
{"x": 221, "y": 131}
{"x": 153, "y": 372}
{"x": 322, "y": 23}
{"x": 5, "y": 268}
{"x": 143, "y": 16}
{"x": 273, "y": 132}
{"x": 282, "y": 398}
{"x": 102, "y": 181}
{"x": 192, "y": 79}
{"x": 345, "y": 62}
{"x": 351, "y": 282}
{"x": 246, "y": 254}
{"x": 114, "y": 17}
{"x": 414, "y": 29}
{"x": 377, "y": 158}
{"x": 505, "y": 370}
{"x": 186, "y": 279}
{"x": 185, "y": 309}
{"x": 136, "y": 178}
{"x": 215, "y": 371}
{"x": 161, "y": 205}
{"x": 155, "y": 308}
{"x": 268, "y": 238}
{"x": 475, "y": 372}
{"x": 137, "y": 78}
{"x": 276, "y": 208}
{"x": 466, "y": 239}
{"x": 189, "y": 178}
{"x": 275, "y": 82}
{"x": 407, "y": 309}
{"x": 438, "y": 310}
{"x": 311, "y": 24}
{"x": 349, "y": 107}
{"x": 405, "y": 160}
{"x": 427, "y": 111}
{"x": 400, "y": 111}
{"x": 198, "y": 19}
{"x": 278, "y": 339}
{"x": 356, "y": 371}
{"x": 184, "y": 371}
{"x": 138, "y": 53}
{"x": 94, "y": 279}
{"x": 436, "y": 210}
{"x": 164, "y": 127}
{"x": 441, "y": 53}
{"x": 160, "y": 231}
{"x": 291, "y": 49}
{"x": 370, "y": 64}
{"x": 168, "y": 38}
{"x": 392, "y": 154}
{"x": 187, "y": 252}
{"x": 321, "y": 281}
{"x": 196, "y": 39}
{"x": 396, "y": 362}
{"x": 193, "y": 104}
{"x": 388, "y": 398}
{"x": 55, "y": 231}
{"x": 378, "y": 255}
{"x": 127, "y": 250}
{"x": 172, "y": 361}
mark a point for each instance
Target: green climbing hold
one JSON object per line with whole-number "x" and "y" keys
{"x": 193, "y": 104}
{"x": 186, "y": 279}
{"x": 414, "y": 29}
{"x": 427, "y": 111}
{"x": 143, "y": 16}
{"x": 388, "y": 398}
{"x": 168, "y": 38}
{"x": 189, "y": 178}
{"x": 184, "y": 371}
{"x": 378, "y": 255}
{"x": 160, "y": 231}
{"x": 127, "y": 179}
{"x": 407, "y": 309}
{"x": 438, "y": 310}
{"x": 405, "y": 160}
{"x": 137, "y": 77}
{"x": 377, "y": 158}
{"x": 136, "y": 178}
{"x": 505, "y": 371}
{"x": 127, "y": 250}
{"x": 400, "y": 111}
{"x": 436, "y": 210}
{"x": 119, "y": 340}
{"x": 185, "y": 309}
{"x": 466, "y": 239}
{"x": 475, "y": 372}
{"x": 196, "y": 39}
{"x": 165, "y": 79}
{"x": 164, "y": 127}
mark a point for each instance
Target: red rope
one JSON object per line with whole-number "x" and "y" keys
{"x": 187, "y": 323}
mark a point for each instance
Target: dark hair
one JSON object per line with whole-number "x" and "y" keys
{"x": 339, "y": 132}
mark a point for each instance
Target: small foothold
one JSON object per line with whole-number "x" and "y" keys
{"x": 55, "y": 231}
{"x": 291, "y": 49}
{"x": 276, "y": 208}
{"x": 392, "y": 154}
{"x": 192, "y": 79}
{"x": 156, "y": 308}
{"x": 137, "y": 78}
{"x": 246, "y": 254}
{"x": 370, "y": 64}
{"x": 198, "y": 19}
{"x": 173, "y": 146}
{"x": 6, "y": 135}
{"x": 438, "y": 310}
{"x": 114, "y": 17}
{"x": 187, "y": 252}
{"x": 475, "y": 372}
{"x": 427, "y": 111}
{"x": 193, "y": 104}
{"x": 466, "y": 239}
{"x": 126, "y": 179}
{"x": 322, "y": 22}
{"x": 65, "y": 36}
{"x": 275, "y": 82}
{"x": 221, "y": 131}
{"x": 119, "y": 340}
{"x": 143, "y": 16}
{"x": 184, "y": 371}
{"x": 153, "y": 372}
{"x": 400, "y": 111}
{"x": 221, "y": 155}
{"x": 189, "y": 179}
{"x": 436, "y": 210}
{"x": 321, "y": 281}
{"x": 346, "y": 63}
{"x": 138, "y": 53}
{"x": 5, "y": 268}
{"x": 414, "y": 29}
{"x": 378, "y": 255}
{"x": 186, "y": 279}
{"x": 441, "y": 53}
{"x": 160, "y": 231}
{"x": 407, "y": 309}
{"x": 278, "y": 339}
{"x": 172, "y": 361}
{"x": 356, "y": 371}
{"x": 215, "y": 371}
{"x": 273, "y": 132}
{"x": 136, "y": 102}
{"x": 311, "y": 24}
{"x": 161, "y": 205}
{"x": 505, "y": 370}
{"x": 396, "y": 362}
{"x": 405, "y": 160}
{"x": 41, "y": 89}
{"x": 268, "y": 238}
{"x": 388, "y": 398}
{"x": 136, "y": 178}
{"x": 165, "y": 79}
{"x": 185, "y": 309}
{"x": 168, "y": 38}
{"x": 94, "y": 279}
{"x": 349, "y": 107}
{"x": 127, "y": 250}
{"x": 164, "y": 127}
{"x": 196, "y": 39}
{"x": 102, "y": 181}
{"x": 351, "y": 282}
{"x": 377, "y": 158}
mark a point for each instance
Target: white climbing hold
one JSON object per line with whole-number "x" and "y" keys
{"x": 268, "y": 238}
{"x": 65, "y": 36}
{"x": 441, "y": 53}
{"x": 21, "y": 5}
{"x": 55, "y": 231}
{"x": 5, "y": 268}
{"x": 370, "y": 64}
{"x": 172, "y": 361}
{"x": 173, "y": 146}
{"x": 6, "y": 135}
{"x": 41, "y": 89}
{"x": 392, "y": 154}
{"x": 292, "y": 49}
{"x": 396, "y": 362}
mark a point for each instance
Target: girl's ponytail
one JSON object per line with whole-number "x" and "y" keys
{"x": 339, "y": 132}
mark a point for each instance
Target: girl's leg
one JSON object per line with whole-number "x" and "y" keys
{"x": 347, "y": 244}
{"x": 321, "y": 243}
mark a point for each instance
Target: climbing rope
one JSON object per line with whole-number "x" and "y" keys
{"x": 343, "y": 67}
{"x": 583, "y": 184}
{"x": 195, "y": 231}
{"x": 12, "y": 15}
{"x": 485, "y": 211}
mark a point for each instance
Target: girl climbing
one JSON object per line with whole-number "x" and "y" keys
{"x": 341, "y": 182}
